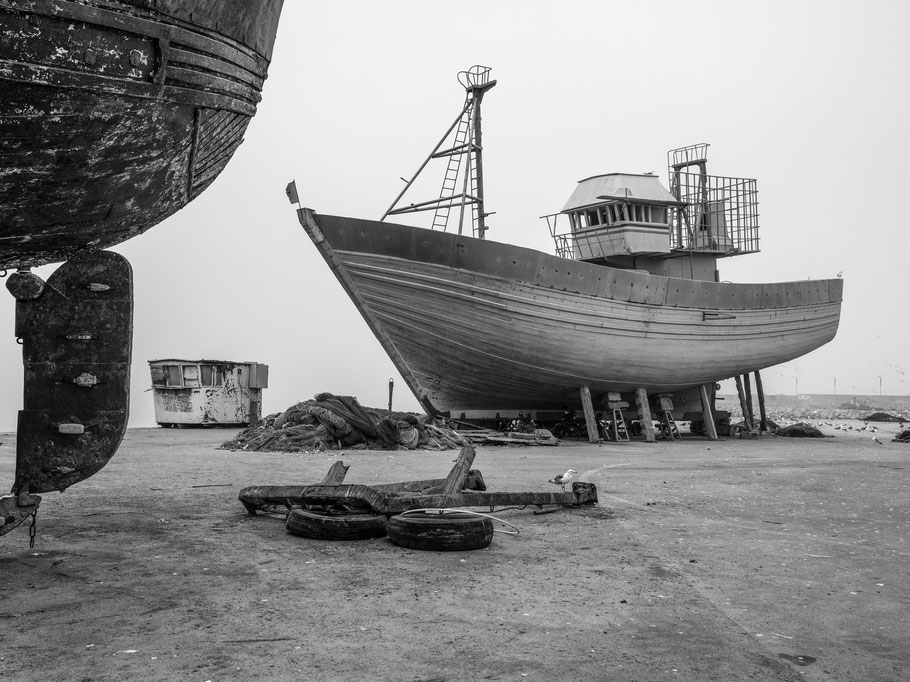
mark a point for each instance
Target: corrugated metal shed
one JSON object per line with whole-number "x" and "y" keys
{"x": 644, "y": 188}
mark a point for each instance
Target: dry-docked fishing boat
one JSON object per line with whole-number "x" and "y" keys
{"x": 113, "y": 115}
{"x": 630, "y": 302}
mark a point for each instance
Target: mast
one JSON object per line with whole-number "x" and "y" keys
{"x": 465, "y": 162}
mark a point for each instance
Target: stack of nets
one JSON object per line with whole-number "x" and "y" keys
{"x": 801, "y": 430}
{"x": 330, "y": 422}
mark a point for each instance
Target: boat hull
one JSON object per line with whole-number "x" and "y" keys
{"x": 114, "y": 115}
{"x": 475, "y": 325}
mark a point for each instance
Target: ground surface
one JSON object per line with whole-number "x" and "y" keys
{"x": 777, "y": 559}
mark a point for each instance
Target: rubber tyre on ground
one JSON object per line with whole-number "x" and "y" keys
{"x": 322, "y": 526}
{"x": 449, "y": 532}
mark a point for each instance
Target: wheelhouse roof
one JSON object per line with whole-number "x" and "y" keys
{"x": 600, "y": 189}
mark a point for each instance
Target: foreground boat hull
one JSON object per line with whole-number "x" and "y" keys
{"x": 114, "y": 115}
{"x": 475, "y": 325}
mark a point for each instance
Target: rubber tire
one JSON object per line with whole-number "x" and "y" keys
{"x": 321, "y": 526}
{"x": 558, "y": 431}
{"x": 449, "y": 532}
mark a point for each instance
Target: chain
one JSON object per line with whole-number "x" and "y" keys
{"x": 32, "y": 529}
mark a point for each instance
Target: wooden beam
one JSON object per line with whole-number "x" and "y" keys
{"x": 707, "y": 412}
{"x": 644, "y": 415}
{"x": 378, "y": 502}
{"x": 742, "y": 402}
{"x": 587, "y": 407}
{"x": 747, "y": 388}
{"x": 763, "y": 425}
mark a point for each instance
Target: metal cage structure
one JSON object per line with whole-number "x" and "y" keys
{"x": 720, "y": 213}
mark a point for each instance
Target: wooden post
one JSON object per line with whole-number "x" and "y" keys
{"x": 742, "y": 402}
{"x": 644, "y": 415}
{"x": 747, "y": 387}
{"x": 456, "y": 478}
{"x": 707, "y": 413}
{"x": 763, "y": 425}
{"x": 587, "y": 407}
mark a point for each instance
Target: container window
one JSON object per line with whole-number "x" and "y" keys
{"x": 210, "y": 375}
{"x": 159, "y": 376}
{"x": 173, "y": 375}
{"x": 191, "y": 376}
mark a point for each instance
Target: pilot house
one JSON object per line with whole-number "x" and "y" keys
{"x": 632, "y": 221}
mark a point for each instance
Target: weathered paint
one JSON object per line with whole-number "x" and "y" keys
{"x": 235, "y": 401}
{"x": 115, "y": 114}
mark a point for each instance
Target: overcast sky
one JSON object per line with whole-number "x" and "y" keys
{"x": 810, "y": 98}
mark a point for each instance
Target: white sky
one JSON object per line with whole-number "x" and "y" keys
{"x": 810, "y": 98}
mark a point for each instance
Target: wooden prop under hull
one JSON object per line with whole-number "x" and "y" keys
{"x": 474, "y": 324}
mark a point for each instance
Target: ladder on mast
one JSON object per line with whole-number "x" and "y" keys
{"x": 465, "y": 163}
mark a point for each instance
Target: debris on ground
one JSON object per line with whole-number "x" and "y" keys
{"x": 800, "y": 430}
{"x": 331, "y": 422}
{"x": 902, "y": 437}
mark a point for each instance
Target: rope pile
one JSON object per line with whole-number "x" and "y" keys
{"x": 331, "y": 422}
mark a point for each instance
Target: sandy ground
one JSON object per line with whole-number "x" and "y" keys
{"x": 777, "y": 559}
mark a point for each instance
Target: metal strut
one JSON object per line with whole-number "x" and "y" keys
{"x": 464, "y": 166}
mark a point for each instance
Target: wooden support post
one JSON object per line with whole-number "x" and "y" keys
{"x": 455, "y": 480}
{"x": 587, "y": 407}
{"x": 707, "y": 412}
{"x": 644, "y": 415}
{"x": 742, "y": 402}
{"x": 763, "y": 425}
{"x": 747, "y": 388}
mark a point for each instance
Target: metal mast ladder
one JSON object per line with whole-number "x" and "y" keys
{"x": 465, "y": 162}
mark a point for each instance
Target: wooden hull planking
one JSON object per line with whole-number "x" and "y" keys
{"x": 113, "y": 116}
{"x": 478, "y": 325}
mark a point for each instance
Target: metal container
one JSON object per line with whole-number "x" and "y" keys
{"x": 207, "y": 392}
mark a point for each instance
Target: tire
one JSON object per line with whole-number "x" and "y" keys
{"x": 322, "y": 526}
{"x": 558, "y": 431}
{"x": 450, "y": 532}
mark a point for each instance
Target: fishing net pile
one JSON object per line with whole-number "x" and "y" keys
{"x": 800, "y": 430}
{"x": 902, "y": 437}
{"x": 330, "y": 422}
{"x": 882, "y": 417}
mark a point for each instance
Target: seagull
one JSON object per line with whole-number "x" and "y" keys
{"x": 876, "y": 440}
{"x": 562, "y": 479}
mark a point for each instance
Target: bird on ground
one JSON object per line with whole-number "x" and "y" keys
{"x": 563, "y": 479}
{"x": 876, "y": 440}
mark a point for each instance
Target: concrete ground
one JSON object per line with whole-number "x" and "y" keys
{"x": 771, "y": 559}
